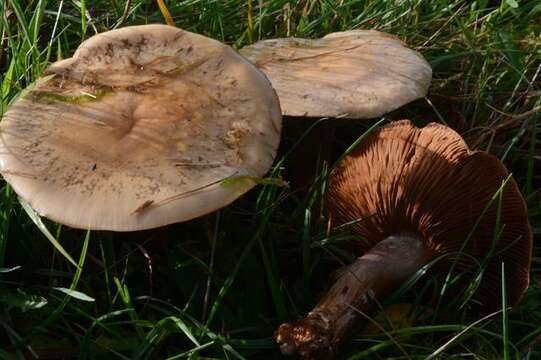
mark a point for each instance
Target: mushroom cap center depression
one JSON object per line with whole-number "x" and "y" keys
{"x": 126, "y": 129}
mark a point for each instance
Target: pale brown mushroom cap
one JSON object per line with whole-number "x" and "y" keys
{"x": 427, "y": 182}
{"x": 138, "y": 129}
{"x": 354, "y": 74}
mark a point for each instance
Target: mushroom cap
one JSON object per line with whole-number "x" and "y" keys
{"x": 139, "y": 129}
{"x": 358, "y": 74}
{"x": 427, "y": 182}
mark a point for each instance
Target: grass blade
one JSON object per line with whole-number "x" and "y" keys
{"x": 41, "y": 226}
{"x": 505, "y": 319}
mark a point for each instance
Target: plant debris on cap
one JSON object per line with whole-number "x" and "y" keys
{"x": 139, "y": 129}
{"x": 427, "y": 182}
{"x": 353, "y": 74}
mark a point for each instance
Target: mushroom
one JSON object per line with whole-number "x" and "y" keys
{"x": 139, "y": 129}
{"x": 414, "y": 195}
{"x": 357, "y": 74}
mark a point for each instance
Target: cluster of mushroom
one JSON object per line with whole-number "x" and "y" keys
{"x": 141, "y": 127}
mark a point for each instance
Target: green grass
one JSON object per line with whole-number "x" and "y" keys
{"x": 217, "y": 287}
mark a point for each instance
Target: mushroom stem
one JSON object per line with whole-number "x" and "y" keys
{"x": 385, "y": 266}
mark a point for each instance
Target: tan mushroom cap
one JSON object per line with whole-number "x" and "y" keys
{"x": 427, "y": 182}
{"x": 138, "y": 129}
{"x": 354, "y": 74}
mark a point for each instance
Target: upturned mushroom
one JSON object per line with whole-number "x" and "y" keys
{"x": 414, "y": 195}
{"x": 358, "y": 74}
{"x": 139, "y": 129}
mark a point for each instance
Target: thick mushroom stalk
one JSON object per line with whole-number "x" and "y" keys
{"x": 376, "y": 273}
